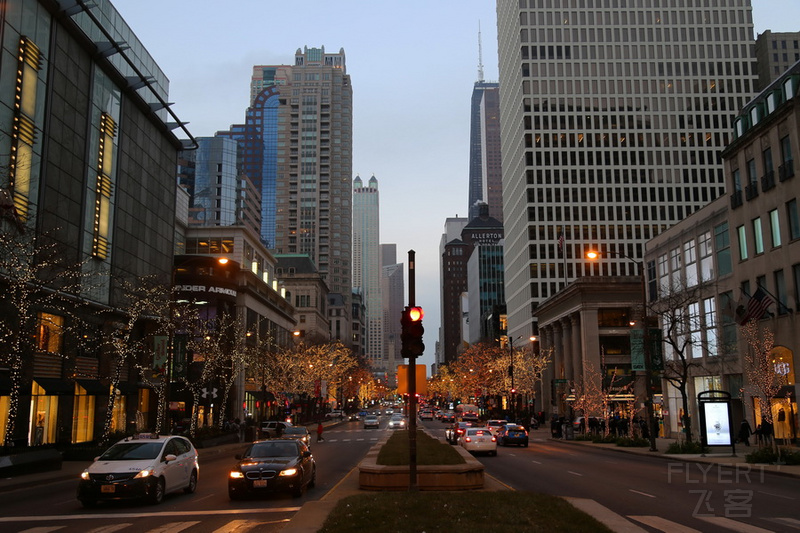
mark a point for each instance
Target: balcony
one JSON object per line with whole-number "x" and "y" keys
{"x": 786, "y": 170}
{"x": 768, "y": 181}
{"x": 751, "y": 190}
{"x": 736, "y": 199}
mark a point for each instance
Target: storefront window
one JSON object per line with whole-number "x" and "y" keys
{"x": 118, "y": 414}
{"x": 44, "y": 412}
{"x": 82, "y": 415}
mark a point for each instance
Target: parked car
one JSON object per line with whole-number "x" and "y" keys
{"x": 512, "y": 434}
{"x": 336, "y": 413}
{"x": 141, "y": 467}
{"x": 275, "y": 465}
{"x": 397, "y": 422}
{"x": 371, "y": 421}
{"x": 495, "y": 425}
{"x": 479, "y": 440}
{"x": 454, "y": 432}
{"x": 271, "y": 429}
{"x": 298, "y": 432}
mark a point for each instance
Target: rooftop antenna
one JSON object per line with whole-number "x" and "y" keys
{"x": 480, "y": 54}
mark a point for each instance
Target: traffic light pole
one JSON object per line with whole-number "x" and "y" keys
{"x": 412, "y": 389}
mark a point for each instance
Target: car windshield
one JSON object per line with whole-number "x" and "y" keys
{"x": 273, "y": 449}
{"x": 132, "y": 451}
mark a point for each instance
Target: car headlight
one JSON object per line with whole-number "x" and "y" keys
{"x": 288, "y": 472}
{"x": 235, "y": 474}
{"x": 85, "y": 475}
{"x": 147, "y": 472}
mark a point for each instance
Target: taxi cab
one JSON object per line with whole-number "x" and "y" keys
{"x": 143, "y": 466}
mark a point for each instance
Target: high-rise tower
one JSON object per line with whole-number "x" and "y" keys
{"x": 367, "y": 267}
{"x": 612, "y": 123}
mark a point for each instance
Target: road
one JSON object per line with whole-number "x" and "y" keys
{"x": 654, "y": 493}
{"x": 54, "y": 507}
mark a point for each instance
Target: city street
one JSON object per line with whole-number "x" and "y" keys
{"x": 54, "y": 507}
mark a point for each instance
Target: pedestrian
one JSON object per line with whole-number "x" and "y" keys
{"x": 319, "y": 432}
{"x": 744, "y": 432}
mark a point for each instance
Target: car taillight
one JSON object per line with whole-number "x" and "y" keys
{"x": 494, "y": 439}
{"x": 467, "y": 439}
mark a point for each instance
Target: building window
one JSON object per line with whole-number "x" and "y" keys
{"x": 675, "y": 268}
{"x": 742, "y": 234}
{"x": 103, "y": 187}
{"x": 796, "y": 277}
{"x": 44, "y": 413}
{"x": 23, "y": 132}
{"x": 775, "y": 228}
{"x": 50, "y": 333}
{"x": 82, "y": 415}
{"x": 690, "y": 258}
{"x": 706, "y": 257}
{"x": 758, "y": 236}
{"x": 794, "y": 219}
{"x": 780, "y": 291}
{"x": 695, "y": 338}
{"x": 710, "y": 323}
{"x": 722, "y": 244}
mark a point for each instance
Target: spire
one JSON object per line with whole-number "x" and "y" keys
{"x": 480, "y": 54}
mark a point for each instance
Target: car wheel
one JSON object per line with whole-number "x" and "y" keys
{"x": 313, "y": 482}
{"x": 89, "y": 503}
{"x": 192, "y": 486}
{"x": 298, "y": 491}
{"x": 157, "y": 496}
{"x": 494, "y": 453}
{"x": 526, "y": 444}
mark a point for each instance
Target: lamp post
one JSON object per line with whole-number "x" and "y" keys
{"x": 648, "y": 367}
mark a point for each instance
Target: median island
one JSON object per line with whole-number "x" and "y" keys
{"x": 395, "y": 508}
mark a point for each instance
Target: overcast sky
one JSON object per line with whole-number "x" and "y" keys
{"x": 412, "y": 64}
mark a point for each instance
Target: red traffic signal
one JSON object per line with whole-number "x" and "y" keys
{"x": 412, "y": 330}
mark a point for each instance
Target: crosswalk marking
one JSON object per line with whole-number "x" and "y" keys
{"x": 662, "y": 524}
{"x": 109, "y": 529}
{"x": 42, "y": 529}
{"x": 733, "y": 525}
{"x": 147, "y": 515}
{"x": 174, "y": 527}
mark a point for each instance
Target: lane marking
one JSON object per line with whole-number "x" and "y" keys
{"x": 42, "y": 529}
{"x": 111, "y": 528}
{"x": 662, "y": 524}
{"x": 113, "y": 516}
{"x": 574, "y": 473}
{"x": 777, "y": 495}
{"x": 642, "y": 493}
{"x": 536, "y": 462}
{"x": 173, "y": 527}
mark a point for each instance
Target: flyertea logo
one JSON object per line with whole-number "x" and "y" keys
{"x": 736, "y": 502}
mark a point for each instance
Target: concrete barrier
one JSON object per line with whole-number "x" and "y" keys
{"x": 30, "y": 462}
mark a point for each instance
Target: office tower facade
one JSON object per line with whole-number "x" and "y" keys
{"x": 392, "y": 290}
{"x": 485, "y": 177}
{"x": 612, "y": 121}
{"x": 775, "y": 53}
{"x": 453, "y": 283}
{"x": 314, "y": 172}
{"x": 367, "y": 265}
{"x": 89, "y": 156}
{"x": 220, "y": 195}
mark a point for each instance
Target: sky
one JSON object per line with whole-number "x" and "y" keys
{"x": 412, "y": 64}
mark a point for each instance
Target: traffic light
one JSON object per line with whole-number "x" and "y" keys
{"x": 411, "y": 337}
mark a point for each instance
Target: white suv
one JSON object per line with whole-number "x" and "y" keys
{"x": 145, "y": 466}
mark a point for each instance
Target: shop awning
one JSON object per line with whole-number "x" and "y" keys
{"x": 787, "y": 391}
{"x": 53, "y": 387}
{"x": 92, "y": 386}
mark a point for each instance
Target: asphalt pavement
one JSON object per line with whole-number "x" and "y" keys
{"x": 312, "y": 514}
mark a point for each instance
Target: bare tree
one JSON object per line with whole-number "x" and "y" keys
{"x": 680, "y": 316}
{"x": 38, "y": 288}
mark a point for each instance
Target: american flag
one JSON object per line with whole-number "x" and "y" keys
{"x": 561, "y": 242}
{"x": 756, "y": 306}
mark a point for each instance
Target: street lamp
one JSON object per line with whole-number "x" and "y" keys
{"x": 648, "y": 370}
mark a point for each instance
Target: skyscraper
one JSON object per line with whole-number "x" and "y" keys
{"x": 314, "y": 171}
{"x": 485, "y": 177}
{"x": 367, "y": 266}
{"x": 392, "y": 290}
{"x": 612, "y": 123}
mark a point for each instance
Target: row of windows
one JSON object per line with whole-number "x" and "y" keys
{"x": 756, "y": 230}
{"x": 583, "y": 176}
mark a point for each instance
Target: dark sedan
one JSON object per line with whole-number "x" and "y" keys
{"x": 512, "y": 434}
{"x": 275, "y": 465}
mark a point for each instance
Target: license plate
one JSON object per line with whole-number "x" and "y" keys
{"x": 259, "y": 483}
{"x": 107, "y": 488}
